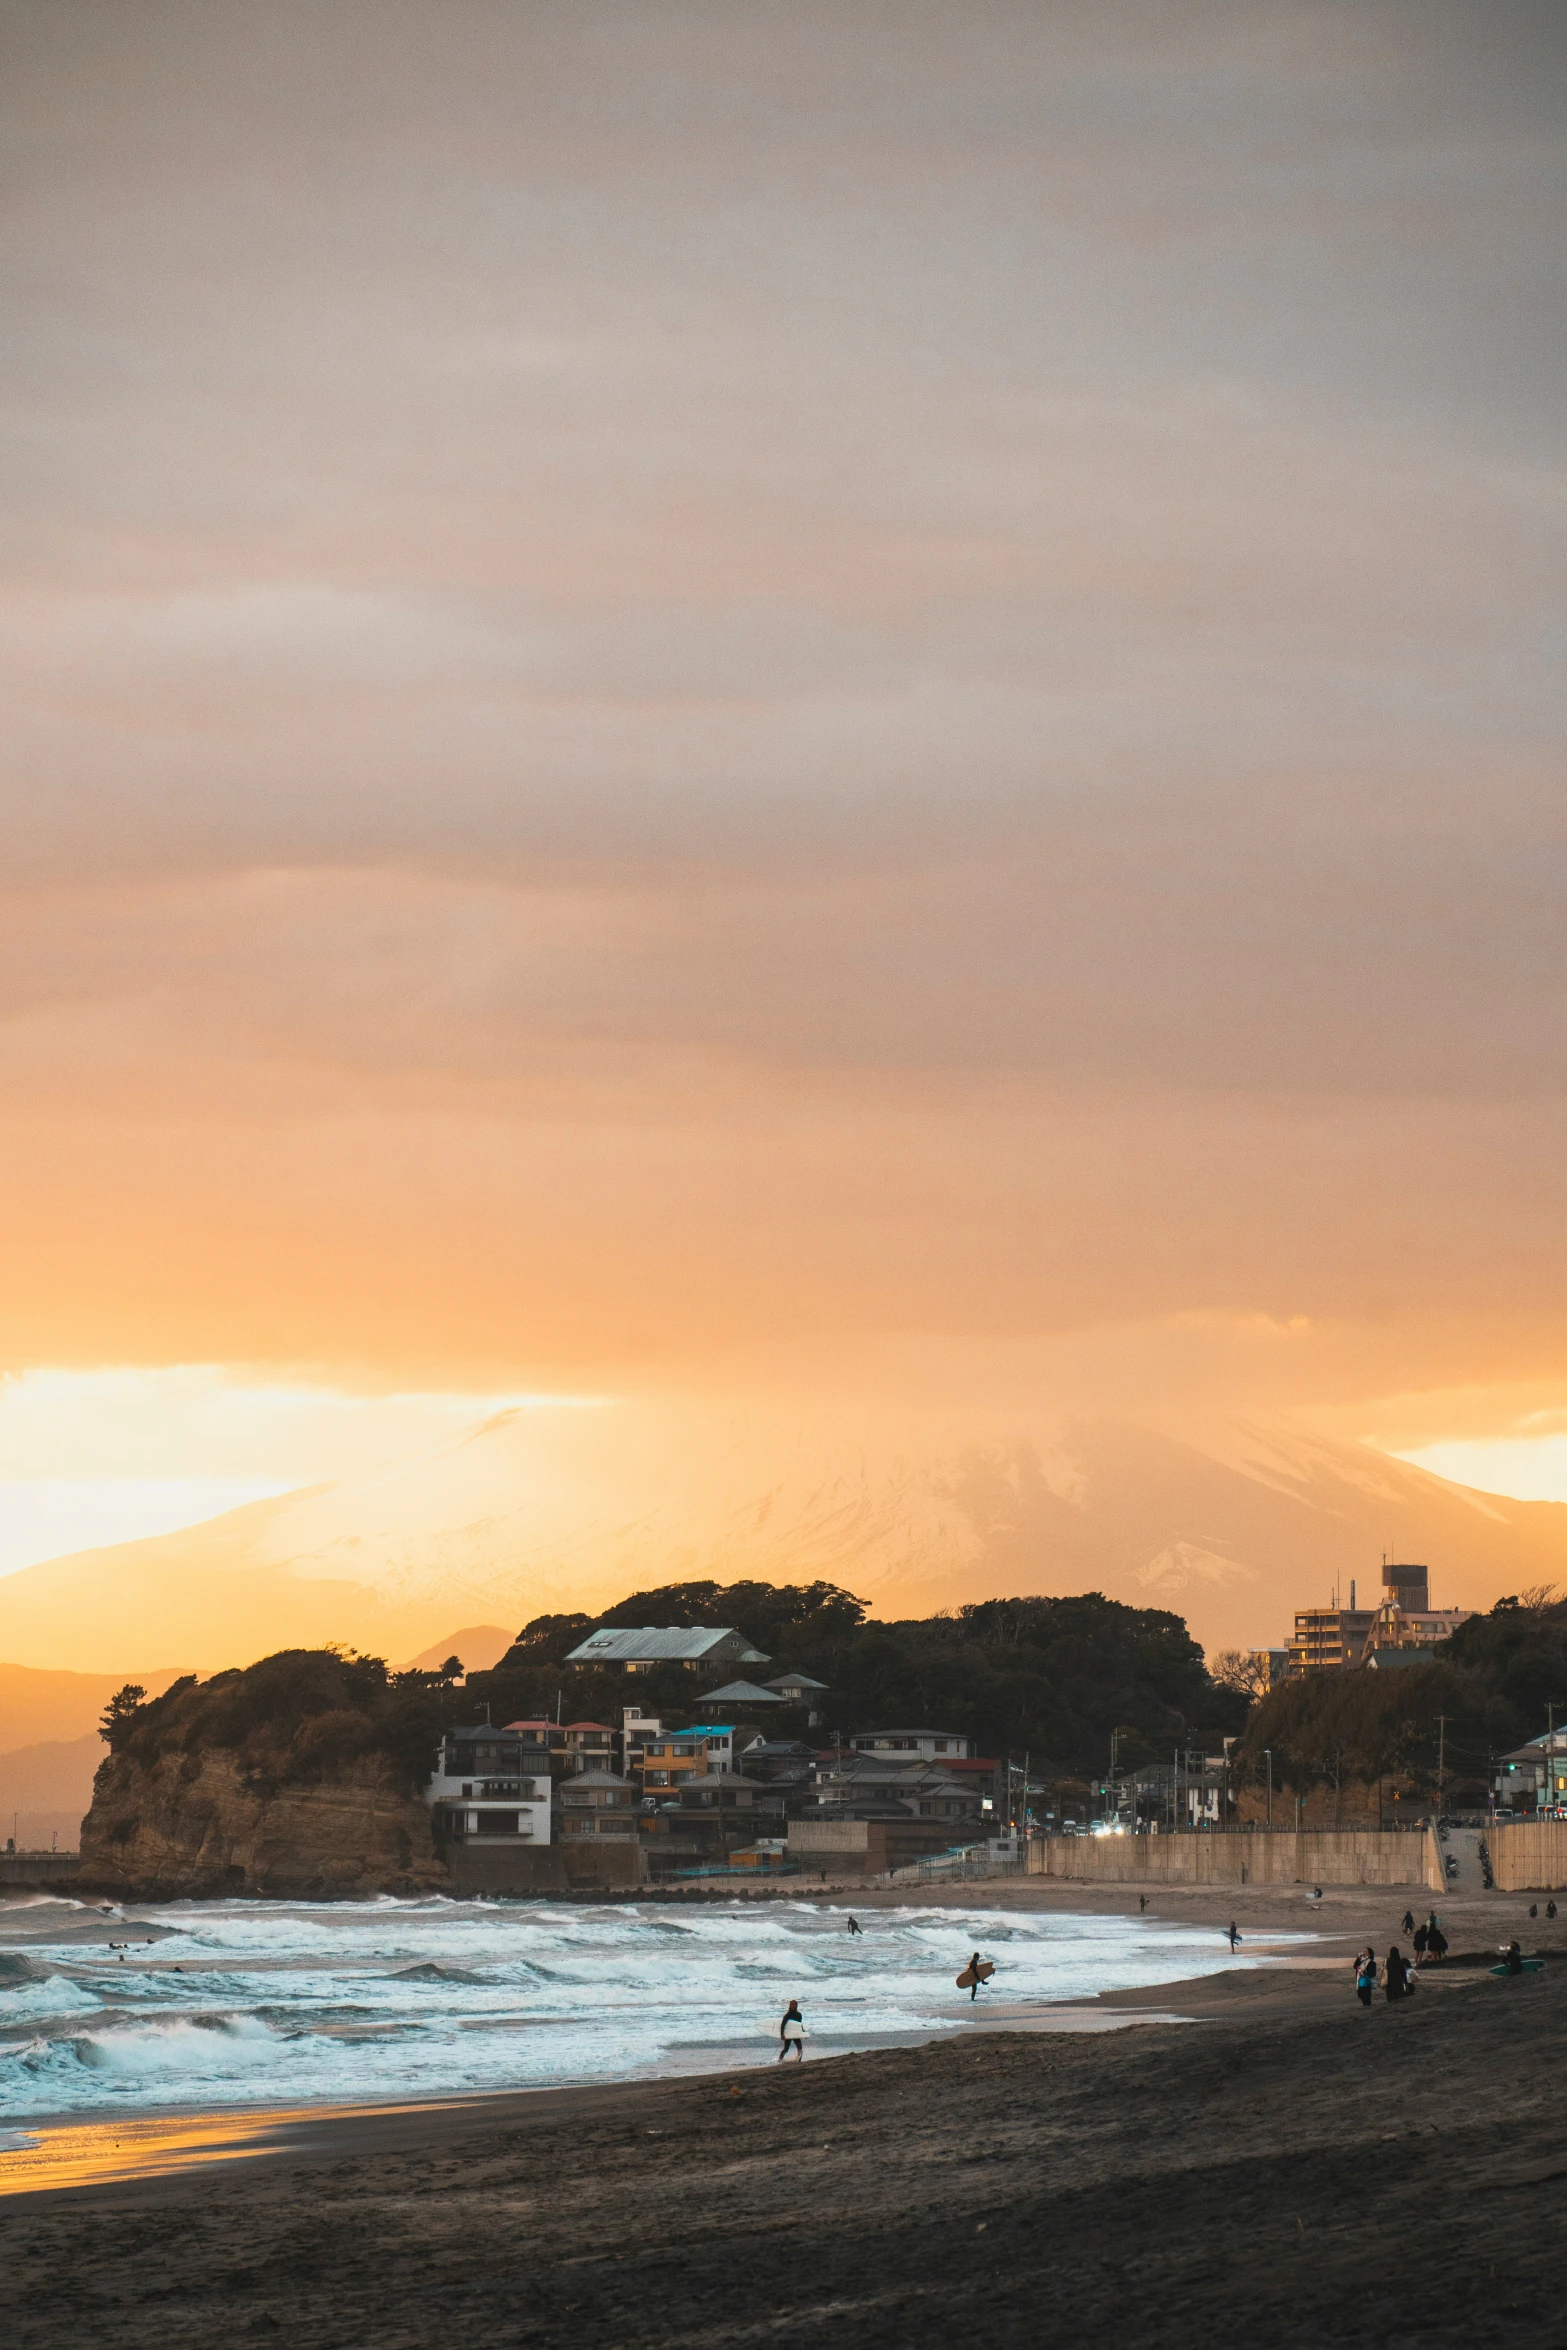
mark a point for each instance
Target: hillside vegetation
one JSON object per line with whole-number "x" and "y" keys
{"x": 1498, "y": 1682}
{"x": 1054, "y": 1677}
{"x": 294, "y": 1719}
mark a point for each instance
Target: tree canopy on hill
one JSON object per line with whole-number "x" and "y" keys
{"x": 1053, "y": 1676}
{"x": 293, "y": 1719}
{"x": 1489, "y": 1692}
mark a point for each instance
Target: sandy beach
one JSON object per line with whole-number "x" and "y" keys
{"x": 1283, "y": 2165}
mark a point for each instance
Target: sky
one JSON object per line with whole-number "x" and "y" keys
{"x": 723, "y": 697}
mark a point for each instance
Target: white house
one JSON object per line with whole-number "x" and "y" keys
{"x": 924, "y": 1744}
{"x": 491, "y": 1786}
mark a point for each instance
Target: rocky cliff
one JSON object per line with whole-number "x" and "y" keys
{"x": 198, "y": 1824}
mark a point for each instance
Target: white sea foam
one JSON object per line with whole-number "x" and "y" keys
{"x": 270, "y": 2002}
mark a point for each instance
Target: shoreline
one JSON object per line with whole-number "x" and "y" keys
{"x": 71, "y": 2154}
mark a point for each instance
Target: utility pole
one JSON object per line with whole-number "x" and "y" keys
{"x": 1268, "y": 1755}
{"x": 1441, "y": 1758}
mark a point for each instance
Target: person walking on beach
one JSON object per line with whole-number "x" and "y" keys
{"x": 1409, "y": 1921}
{"x": 791, "y": 2033}
{"x": 1550, "y": 1909}
{"x": 1422, "y": 1937}
{"x": 1235, "y": 1935}
{"x": 1142, "y": 1903}
{"x": 1397, "y": 1973}
{"x": 1365, "y": 1975}
{"x": 1436, "y": 1940}
{"x": 974, "y": 1965}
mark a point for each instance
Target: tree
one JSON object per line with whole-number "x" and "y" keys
{"x": 1242, "y": 1670}
{"x": 119, "y": 1715}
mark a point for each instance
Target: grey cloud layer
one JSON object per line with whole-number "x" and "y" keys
{"x": 923, "y": 538}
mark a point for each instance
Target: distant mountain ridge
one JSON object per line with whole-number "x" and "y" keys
{"x": 537, "y": 1510}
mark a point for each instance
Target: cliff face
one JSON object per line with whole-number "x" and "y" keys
{"x": 188, "y": 1824}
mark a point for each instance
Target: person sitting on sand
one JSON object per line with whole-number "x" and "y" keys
{"x": 1396, "y": 1973}
{"x": 1513, "y": 1954}
{"x": 791, "y": 2033}
{"x": 1550, "y": 1909}
{"x": 1365, "y": 1975}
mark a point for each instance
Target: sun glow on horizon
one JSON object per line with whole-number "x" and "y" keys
{"x": 89, "y": 1458}
{"x": 1517, "y": 1468}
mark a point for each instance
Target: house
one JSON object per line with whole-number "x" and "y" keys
{"x": 491, "y": 1786}
{"x": 698, "y": 1647}
{"x": 675, "y": 1756}
{"x": 1533, "y": 1778}
{"x": 722, "y": 1809}
{"x": 726, "y": 1742}
{"x": 590, "y": 1746}
{"x": 723, "y": 1792}
{"x": 894, "y": 1786}
{"x": 597, "y": 1803}
{"x": 926, "y": 1744}
{"x": 734, "y": 1693}
{"x": 784, "y": 1763}
{"x": 552, "y": 1734}
{"x": 669, "y": 1759}
{"x": 797, "y": 1688}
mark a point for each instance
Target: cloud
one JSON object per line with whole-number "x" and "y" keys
{"x": 677, "y": 682}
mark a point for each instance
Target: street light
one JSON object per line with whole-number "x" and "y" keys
{"x": 1268, "y": 1755}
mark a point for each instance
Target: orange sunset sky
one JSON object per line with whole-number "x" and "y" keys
{"x": 851, "y": 706}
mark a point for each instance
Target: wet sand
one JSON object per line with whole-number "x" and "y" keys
{"x": 1284, "y": 2167}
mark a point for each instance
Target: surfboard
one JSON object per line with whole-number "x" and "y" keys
{"x": 1531, "y": 1966}
{"x": 975, "y": 1974}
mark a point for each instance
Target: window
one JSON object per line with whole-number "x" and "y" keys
{"x": 655, "y": 1778}
{"x": 496, "y": 1823}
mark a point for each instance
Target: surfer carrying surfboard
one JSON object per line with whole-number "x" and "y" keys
{"x": 791, "y": 2033}
{"x": 977, "y": 1971}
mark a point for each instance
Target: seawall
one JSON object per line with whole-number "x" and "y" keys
{"x": 1278, "y": 1856}
{"x": 1529, "y": 1856}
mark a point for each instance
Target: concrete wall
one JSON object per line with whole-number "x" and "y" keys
{"x": 33, "y": 1871}
{"x": 1529, "y": 1856}
{"x": 1343, "y": 1856}
{"x": 864, "y": 1847}
{"x": 581, "y": 1865}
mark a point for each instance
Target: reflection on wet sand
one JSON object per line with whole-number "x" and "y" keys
{"x": 83, "y": 2154}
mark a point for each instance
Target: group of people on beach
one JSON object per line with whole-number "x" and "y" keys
{"x": 1396, "y": 1974}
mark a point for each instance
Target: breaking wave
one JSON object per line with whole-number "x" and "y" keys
{"x": 235, "y": 2003}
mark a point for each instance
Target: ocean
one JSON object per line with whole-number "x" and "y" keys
{"x": 220, "y": 2004}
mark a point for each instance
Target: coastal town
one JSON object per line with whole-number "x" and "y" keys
{"x": 741, "y": 1782}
